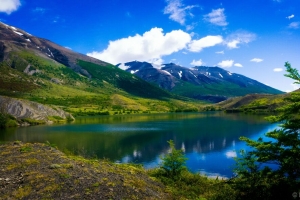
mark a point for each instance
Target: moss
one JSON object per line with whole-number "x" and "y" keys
{"x": 22, "y": 192}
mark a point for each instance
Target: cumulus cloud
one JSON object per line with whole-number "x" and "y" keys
{"x": 256, "y": 60}
{"x": 240, "y": 37}
{"x": 197, "y": 62}
{"x": 238, "y": 65}
{"x": 294, "y": 25}
{"x": 150, "y": 46}
{"x": 231, "y": 154}
{"x": 208, "y": 41}
{"x": 9, "y": 6}
{"x": 290, "y": 17}
{"x": 216, "y": 17}
{"x": 123, "y": 66}
{"x": 220, "y": 52}
{"x": 226, "y": 63}
{"x": 277, "y": 69}
{"x": 177, "y": 11}
{"x": 295, "y": 86}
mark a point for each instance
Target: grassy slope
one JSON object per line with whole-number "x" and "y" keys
{"x": 110, "y": 90}
{"x": 253, "y": 103}
{"x": 231, "y": 90}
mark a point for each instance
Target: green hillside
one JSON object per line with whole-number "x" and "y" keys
{"x": 29, "y": 75}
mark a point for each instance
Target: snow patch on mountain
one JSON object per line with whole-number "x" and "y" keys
{"x": 18, "y": 33}
{"x": 133, "y": 72}
{"x": 220, "y": 75}
{"x": 180, "y": 74}
{"x": 193, "y": 74}
{"x": 167, "y": 72}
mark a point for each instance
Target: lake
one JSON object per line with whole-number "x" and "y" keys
{"x": 210, "y": 140}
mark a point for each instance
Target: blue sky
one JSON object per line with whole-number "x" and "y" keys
{"x": 251, "y": 37}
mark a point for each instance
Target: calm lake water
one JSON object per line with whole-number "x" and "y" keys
{"x": 210, "y": 140}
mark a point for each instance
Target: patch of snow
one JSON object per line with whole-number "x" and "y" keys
{"x": 13, "y": 28}
{"x": 37, "y": 47}
{"x": 229, "y": 73}
{"x": 50, "y": 52}
{"x": 133, "y": 72}
{"x": 220, "y": 75}
{"x": 48, "y": 55}
{"x": 18, "y": 33}
{"x": 28, "y": 40}
{"x": 207, "y": 73}
{"x": 123, "y": 66}
{"x": 193, "y": 74}
{"x": 192, "y": 68}
{"x": 167, "y": 72}
{"x": 180, "y": 74}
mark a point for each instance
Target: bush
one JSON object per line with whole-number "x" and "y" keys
{"x": 174, "y": 162}
{"x": 7, "y": 120}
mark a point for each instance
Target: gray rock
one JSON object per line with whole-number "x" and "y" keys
{"x": 21, "y": 109}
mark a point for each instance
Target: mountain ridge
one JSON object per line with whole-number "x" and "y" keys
{"x": 199, "y": 82}
{"x": 39, "y": 70}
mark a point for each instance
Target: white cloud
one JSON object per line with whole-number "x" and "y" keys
{"x": 277, "y": 69}
{"x": 177, "y": 11}
{"x": 295, "y": 86}
{"x": 150, "y": 46}
{"x": 239, "y": 37}
{"x": 197, "y": 62}
{"x": 216, "y": 17}
{"x": 256, "y": 60}
{"x": 231, "y": 154}
{"x": 226, "y": 63}
{"x": 238, "y": 65}
{"x": 294, "y": 25}
{"x": 208, "y": 41}
{"x": 123, "y": 66}
{"x": 9, "y": 6}
{"x": 220, "y": 52}
{"x": 290, "y": 17}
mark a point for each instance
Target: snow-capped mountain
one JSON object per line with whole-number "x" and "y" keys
{"x": 199, "y": 82}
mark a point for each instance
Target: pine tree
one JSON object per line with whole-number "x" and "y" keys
{"x": 255, "y": 178}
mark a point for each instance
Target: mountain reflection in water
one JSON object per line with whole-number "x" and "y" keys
{"x": 210, "y": 140}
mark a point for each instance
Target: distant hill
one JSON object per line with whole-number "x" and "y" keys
{"x": 203, "y": 83}
{"x": 39, "y": 70}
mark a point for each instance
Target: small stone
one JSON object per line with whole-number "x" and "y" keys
{"x": 55, "y": 166}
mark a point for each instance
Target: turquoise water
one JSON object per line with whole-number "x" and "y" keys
{"x": 210, "y": 140}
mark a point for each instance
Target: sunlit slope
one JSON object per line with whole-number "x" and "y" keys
{"x": 39, "y": 70}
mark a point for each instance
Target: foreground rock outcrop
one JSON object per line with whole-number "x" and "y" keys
{"x": 22, "y": 109}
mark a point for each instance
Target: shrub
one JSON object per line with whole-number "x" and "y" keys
{"x": 174, "y": 162}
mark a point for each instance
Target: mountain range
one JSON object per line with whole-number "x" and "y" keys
{"x": 200, "y": 82}
{"x": 39, "y": 70}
